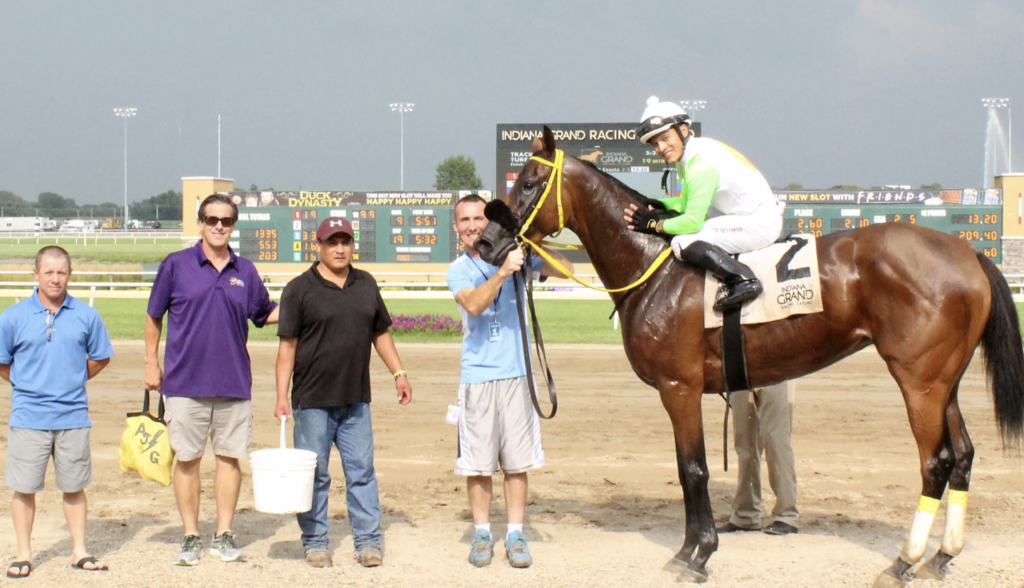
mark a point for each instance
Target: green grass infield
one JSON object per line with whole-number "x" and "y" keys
{"x": 106, "y": 248}
{"x": 569, "y": 321}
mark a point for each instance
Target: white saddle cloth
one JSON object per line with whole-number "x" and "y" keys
{"x": 789, "y": 274}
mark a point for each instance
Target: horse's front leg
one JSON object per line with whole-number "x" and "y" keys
{"x": 682, "y": 559}
{"x": 683, "y": 406}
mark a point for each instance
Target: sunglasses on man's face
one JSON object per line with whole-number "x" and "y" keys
{"x": 226, "y": 221}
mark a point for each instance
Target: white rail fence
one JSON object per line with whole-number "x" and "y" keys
{"x": 87, "y": 238}
{"x": 394, "y": 285}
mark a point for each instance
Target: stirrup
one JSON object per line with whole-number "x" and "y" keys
{"x": 739, "y": 293}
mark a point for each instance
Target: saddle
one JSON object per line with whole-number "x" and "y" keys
{"x": 788, "y": 270}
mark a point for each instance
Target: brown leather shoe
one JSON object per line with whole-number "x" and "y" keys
{"x": 729, "y": 527}
{"x": 370, "y": 557}
{"x": 781, "y": 528}
{"x": 319, "y": 559}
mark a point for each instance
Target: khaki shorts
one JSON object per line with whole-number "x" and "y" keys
{"x": 29, "y": 450}
{"x": 226, "y": 421}
{"x": 497, "y": 425}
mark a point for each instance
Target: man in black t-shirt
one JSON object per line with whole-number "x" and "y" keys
{"x": 330, "y": 315}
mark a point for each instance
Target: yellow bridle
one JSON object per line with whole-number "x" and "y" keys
{"x": 556, "y": 179}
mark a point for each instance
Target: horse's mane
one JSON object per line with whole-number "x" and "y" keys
{"x": 619, "y": 185}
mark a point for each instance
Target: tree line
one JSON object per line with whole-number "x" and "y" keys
{"x": 165, "y": 206}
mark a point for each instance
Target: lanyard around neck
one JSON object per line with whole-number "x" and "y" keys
{"x": 486, "y": 277}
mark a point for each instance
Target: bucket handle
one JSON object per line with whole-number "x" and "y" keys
{"x": 283, "y": 444}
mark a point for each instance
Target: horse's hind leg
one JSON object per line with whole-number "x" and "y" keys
{"x": 956, "y": 498}
{"x": 926, "y": 401}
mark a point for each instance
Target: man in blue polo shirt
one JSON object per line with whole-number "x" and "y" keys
{"x": 50, "y": 345}
{"x": 497, "y": 423}
{"x": 209, "y": 294}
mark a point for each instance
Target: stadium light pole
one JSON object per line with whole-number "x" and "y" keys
{"x": 125, "y": 114}
{"x": 692, "y": 106}
{"x": 994, "y": 103}
{"x": 401, "y": 108}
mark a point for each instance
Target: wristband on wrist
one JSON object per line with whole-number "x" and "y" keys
{"x": 401, "y": 373}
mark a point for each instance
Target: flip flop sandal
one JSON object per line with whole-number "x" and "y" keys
{"x": 80, "y": 565}
{"x": 22, "y": 566}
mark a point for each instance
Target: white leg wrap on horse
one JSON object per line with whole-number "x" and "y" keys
{"x": 917, "y": 540}
{"x": 956, "y": 512}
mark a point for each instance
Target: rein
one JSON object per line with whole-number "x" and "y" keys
{"x": 556, "y": 179}
{"x": 538, "y": 342}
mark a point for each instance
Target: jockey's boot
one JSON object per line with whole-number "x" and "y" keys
{"x": 740, "y": 282}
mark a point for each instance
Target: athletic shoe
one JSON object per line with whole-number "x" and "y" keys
{"x": 224, "y": 546}
{"x": 482, "y": 551}
{"x": 191, "y": 551}
{"x": 516, "y": 551}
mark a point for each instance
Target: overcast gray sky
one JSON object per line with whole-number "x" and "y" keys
{"x": 860, "y": 91}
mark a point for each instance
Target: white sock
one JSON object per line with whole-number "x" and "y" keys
{"x": 484, "y": 527}
{"x": 512, "y": 528}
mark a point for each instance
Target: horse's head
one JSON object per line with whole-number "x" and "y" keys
{"x": 499, "y": 236}
{"x": 534, "y": 201}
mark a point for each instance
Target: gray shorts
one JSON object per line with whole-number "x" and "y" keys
{"x": 28, "y": 451}
{"x": 226, "y": 421}
{"x": 497, "y": 425}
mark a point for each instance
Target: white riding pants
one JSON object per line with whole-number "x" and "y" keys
{"x": 733, "y": 233}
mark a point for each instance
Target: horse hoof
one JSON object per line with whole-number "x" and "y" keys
{"x": 675, "y": 565}
{"x": 887, "y": 580}
{"x": 926, "y": 572}
{"x": 692, "y": 576}
{"x": 935, "y": 568}
{"x": 930, "y": 571}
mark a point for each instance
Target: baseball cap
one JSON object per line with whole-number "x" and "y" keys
{"x": 332, "y": 226}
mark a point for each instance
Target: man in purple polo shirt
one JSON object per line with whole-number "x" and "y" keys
{"x": 209, "y": 294}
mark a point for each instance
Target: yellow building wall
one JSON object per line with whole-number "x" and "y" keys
{"x": 1013, "y": 204}
{"x": 193, "y": 190}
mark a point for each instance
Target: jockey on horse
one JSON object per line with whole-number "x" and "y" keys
{"x": 725, "y": 207}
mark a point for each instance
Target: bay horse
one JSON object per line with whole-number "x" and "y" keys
{"x": 923, "y": 298}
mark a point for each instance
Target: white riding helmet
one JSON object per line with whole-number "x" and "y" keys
{"x": 659, "y": 116}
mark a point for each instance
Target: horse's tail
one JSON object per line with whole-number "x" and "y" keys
{"x": 1004, "y": 357}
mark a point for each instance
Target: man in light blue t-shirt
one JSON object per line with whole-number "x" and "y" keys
{"x": 50, "y": 345}
{"x": 497, "y": 423}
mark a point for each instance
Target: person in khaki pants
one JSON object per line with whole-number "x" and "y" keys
{"x": 763, "y": 419}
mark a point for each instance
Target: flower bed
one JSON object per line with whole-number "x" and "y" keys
{"x": 425, "y": 323}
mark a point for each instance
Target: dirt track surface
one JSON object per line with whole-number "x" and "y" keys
{"x": 606, "y": 511}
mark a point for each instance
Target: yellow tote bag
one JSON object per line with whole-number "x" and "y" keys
{"x": 145, "y": 447}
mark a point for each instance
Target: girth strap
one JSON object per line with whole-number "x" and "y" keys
{"x": 734, "y": 359}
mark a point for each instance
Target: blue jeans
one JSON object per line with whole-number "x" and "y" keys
{"x": 349, "y": 428}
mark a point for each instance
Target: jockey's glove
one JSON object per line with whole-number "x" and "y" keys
{"x": 646, "y": 221}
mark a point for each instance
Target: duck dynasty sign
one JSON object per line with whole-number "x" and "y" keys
{"x": 611, "y": 147}
{"x": 334, "y": 198}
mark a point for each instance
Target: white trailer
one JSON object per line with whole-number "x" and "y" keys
{"x": 77, "y": 225}
{"x": 24, "y": 223}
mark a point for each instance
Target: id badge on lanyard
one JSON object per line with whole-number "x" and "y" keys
{"x": 494, "y": 331}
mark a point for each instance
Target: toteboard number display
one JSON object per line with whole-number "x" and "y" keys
{"x": 982, "y": 226}
{"x": 383, "y": 234}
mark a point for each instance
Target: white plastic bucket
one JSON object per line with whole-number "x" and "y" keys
{"x": 282, "y": 479}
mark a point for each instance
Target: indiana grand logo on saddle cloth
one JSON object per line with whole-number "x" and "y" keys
{"x": 788, "y": 271}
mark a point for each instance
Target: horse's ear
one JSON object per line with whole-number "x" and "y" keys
{"x": 549, "y": 140}
{"x": 537, "y": 146}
